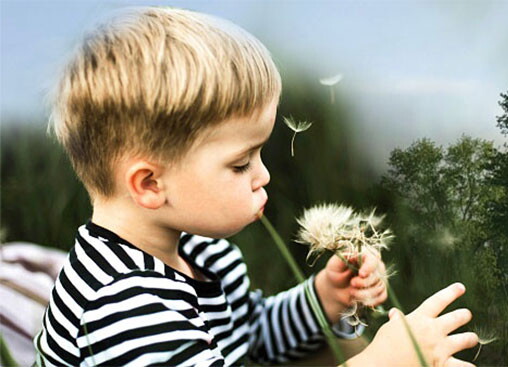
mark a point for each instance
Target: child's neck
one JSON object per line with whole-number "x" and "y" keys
{"x": 140, "y": 229}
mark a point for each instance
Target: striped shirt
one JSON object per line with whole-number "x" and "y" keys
{"x": 115, "y": 305}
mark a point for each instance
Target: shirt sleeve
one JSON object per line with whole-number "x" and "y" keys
{"x": 144, "y": 319}
{"x": 284, "y": 327}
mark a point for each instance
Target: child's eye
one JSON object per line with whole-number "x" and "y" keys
{"x": 242, "y": 169}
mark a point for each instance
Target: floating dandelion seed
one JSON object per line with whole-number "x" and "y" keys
{"x": 484, "y": 337}
{"x": 297, "y": 127}
{"x": 337, "y": 228}
{"x": 331, "y": 82}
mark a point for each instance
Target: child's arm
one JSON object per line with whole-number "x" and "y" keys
{"x": 392, "y": 346}
{"x": 283, "y": 327}
{"x": 338, "y": 287}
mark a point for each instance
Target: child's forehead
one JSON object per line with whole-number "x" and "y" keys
{"x": 246, "y": 130}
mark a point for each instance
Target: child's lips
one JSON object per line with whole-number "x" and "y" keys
{"x": 259, "y": 214}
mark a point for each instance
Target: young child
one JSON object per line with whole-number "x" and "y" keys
{"x": 163, "y": 113}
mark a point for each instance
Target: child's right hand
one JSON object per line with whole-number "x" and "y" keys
{"x": 392, "y": 345}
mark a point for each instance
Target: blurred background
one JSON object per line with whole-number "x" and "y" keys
{"x": 416, "y": 128}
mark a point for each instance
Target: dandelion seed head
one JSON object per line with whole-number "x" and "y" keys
{"x": 338, "y": 229}
{"x": 320, "y": 227}
{"x": 332, "y": 80}
{"x": 297, "y": 126}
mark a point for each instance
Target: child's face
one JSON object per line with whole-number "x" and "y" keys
{"x": 217, "y": 187}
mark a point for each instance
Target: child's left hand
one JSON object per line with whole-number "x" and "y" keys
{"x": 338, "y": 287}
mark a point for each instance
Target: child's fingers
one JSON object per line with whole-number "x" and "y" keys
{"x": 394, "y": 314}
{"x": 337, "y": 265}
{"x": 455, "y": 319}
{"x": 457, "y": 342}
{"x": 436, "y": 303}
{"x": 369, "y": 295}
{"x": 454, "y": 362}
{"x": 376, "y": 301}
{"x": 370, "y": 263}
{"x": 367, "y": 282}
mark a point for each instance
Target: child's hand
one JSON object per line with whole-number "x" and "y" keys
{"x": 338, "y": 286}
{"x": 392, "y": 346}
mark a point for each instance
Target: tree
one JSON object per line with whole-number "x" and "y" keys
{"x": 502, "y": 121}
{"x": 498, "y": 169}
{"x": 442, "y": 187}
{"x": 416, "y": 174}
{"x": 449, "y": 219}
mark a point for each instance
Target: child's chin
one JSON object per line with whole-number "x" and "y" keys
{"x": 224, "y": 233}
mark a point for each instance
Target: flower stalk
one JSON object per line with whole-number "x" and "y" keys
{"x": 283, "y": 249}
{"x": 396, "y": 303}
{"x": 316, "y": 308}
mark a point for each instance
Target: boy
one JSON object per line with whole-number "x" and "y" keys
{"x": 163, "y": 113}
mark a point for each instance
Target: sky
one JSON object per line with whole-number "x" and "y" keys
{"x": 411, "y": 69}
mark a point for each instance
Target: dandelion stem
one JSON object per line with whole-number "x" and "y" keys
{"x": 323, "y": 322}
{"x": 348, "y": 264}
{"x": 359, "y": 256}
{"x": 332, "y": 95}
{"x": 293, "y": 144}
{"x": 396, "y": 303}
{"x": 477, "y": 353}
{"x": 283, "y": 249}
{"x": 325, "y": 327}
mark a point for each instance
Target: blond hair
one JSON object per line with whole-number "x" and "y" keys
{"x": 148, "y": 81}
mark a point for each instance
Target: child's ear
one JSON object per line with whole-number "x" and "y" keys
{"x": 145, "y": 185}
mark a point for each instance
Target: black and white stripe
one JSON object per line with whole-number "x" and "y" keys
{"x": 115, "y": 305}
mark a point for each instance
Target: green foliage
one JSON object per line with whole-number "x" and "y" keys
{"x": 422, "y": 184}
{"x": 443, "y": 220}
{"x": 42, "y": 201}
{"x": 498, "y": 168}
{"x": 502, "y": 121}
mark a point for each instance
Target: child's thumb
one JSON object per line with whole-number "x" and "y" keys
{"x": 394, "y": 314}
{"x": 337, "y": 264}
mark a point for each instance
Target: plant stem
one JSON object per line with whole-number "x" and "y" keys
{"x": 396, "y": 303}
{"x": 283, "y": 249}
{"x": 318, "y": 312}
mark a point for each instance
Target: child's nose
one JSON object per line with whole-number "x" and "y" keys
{"x": 262, "y": 178}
